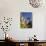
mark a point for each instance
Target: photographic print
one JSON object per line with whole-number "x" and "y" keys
{"x": 26, "y": 19}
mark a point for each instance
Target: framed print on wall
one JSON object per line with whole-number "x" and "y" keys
{"x": 26, "y": 20}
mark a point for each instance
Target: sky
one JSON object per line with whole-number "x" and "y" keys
{"x": 27, "y": 15}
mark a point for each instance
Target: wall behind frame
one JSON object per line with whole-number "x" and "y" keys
{"x": 12, "y": 8}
